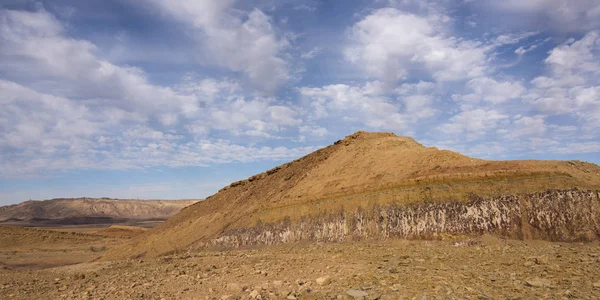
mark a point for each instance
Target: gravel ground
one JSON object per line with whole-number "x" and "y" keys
{"x": 483, "y": 268}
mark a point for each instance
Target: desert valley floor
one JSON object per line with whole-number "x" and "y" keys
{"x": 469, "y": 268}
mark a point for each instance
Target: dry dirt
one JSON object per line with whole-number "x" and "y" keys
{"x": 34, "y": 248}
{"x": 481, "y": 268}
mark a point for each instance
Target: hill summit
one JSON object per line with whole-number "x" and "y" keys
{"x": 383, "y": 185}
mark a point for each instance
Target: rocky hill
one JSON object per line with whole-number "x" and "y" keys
{"x": 382, "y": 185}
{"x": 90, "y": 210}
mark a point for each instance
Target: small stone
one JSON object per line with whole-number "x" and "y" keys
{"x": 277, "y": 283}
{"x": 78, "y": 276}
{"x": 538, "y": 260}
{"x": 254, "y": 294}
{"x": 357, "y": 294}
{"x": 542, "y": 260}
{"x": 234, "y": 287}
{"x": 325, "y": 280}
{"x": 291, "y": 297}
{"x": 538, "y": 282}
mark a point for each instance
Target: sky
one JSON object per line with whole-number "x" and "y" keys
{"x": 172, "y": 99}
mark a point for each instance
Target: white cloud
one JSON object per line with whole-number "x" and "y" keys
{"x": 490, "y": 90}
{"x": 572, "y": 87}
{"x": 40, "y": 122}
{"x": 69, "y": 68}
{"x": 473, "y": 123}
{"x": 42, "y": 133}
{"x": 526, "y": 126}
{"x": 512, "y": 38}
{"x": 390, "y": 44}
{"x": 577, "y": 147}
{"x": 362, "y": 104}
{"x": 315, "y": 131}
{"x": 68, "y": 108}
{"x": 239, "y": 41}
{"x": 311, "y": 53}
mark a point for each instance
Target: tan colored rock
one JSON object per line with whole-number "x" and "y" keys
{"x": 325, "y": 280}
{"x": 538, "y": 282}
{"x": 234, "y": 287}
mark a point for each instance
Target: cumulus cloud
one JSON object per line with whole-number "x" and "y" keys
{"x": 474, "y": 123}
{"x": 68, "y": 108}
{"x": 491, "y": 90}
{"x": 390, "y": 44}
{"x": 43, "y": 133}
{"x": 70, "y": 68}
{"x": 370, "y": 105}
{"x": 362, "y": 105}
{"x": 239, "y": 41}
{"x": 572, "y": 87}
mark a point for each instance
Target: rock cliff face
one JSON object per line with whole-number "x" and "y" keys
{"x": 564, "y": 215}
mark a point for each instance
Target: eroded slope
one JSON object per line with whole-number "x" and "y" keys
{"x": 360, "y": 172}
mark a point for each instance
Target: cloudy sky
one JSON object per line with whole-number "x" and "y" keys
{"x": 175, "y": 99}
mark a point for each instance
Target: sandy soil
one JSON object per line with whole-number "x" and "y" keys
{"x": 35, "y": 248}
{"x": 483, "y": 268}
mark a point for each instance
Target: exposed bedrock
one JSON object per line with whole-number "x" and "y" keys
{"x": 555, "y": 215}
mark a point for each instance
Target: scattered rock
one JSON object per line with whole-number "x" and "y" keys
{"x": 277, "y": 283}
{"x": 325, "y": 280}
{"x": 234, "y": 287}
{"x": 357, "y": 294}
{"x": 538, "y": 282}
{"x": 539, "y": 260}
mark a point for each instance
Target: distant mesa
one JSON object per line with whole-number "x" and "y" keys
{"x": 81, "y": 211}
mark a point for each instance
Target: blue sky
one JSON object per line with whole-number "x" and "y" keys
{"x": 175, "y": 99}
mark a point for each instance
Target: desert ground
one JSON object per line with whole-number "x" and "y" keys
{"x": 63, "y": 266}
{"x": 40, "y": 248}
